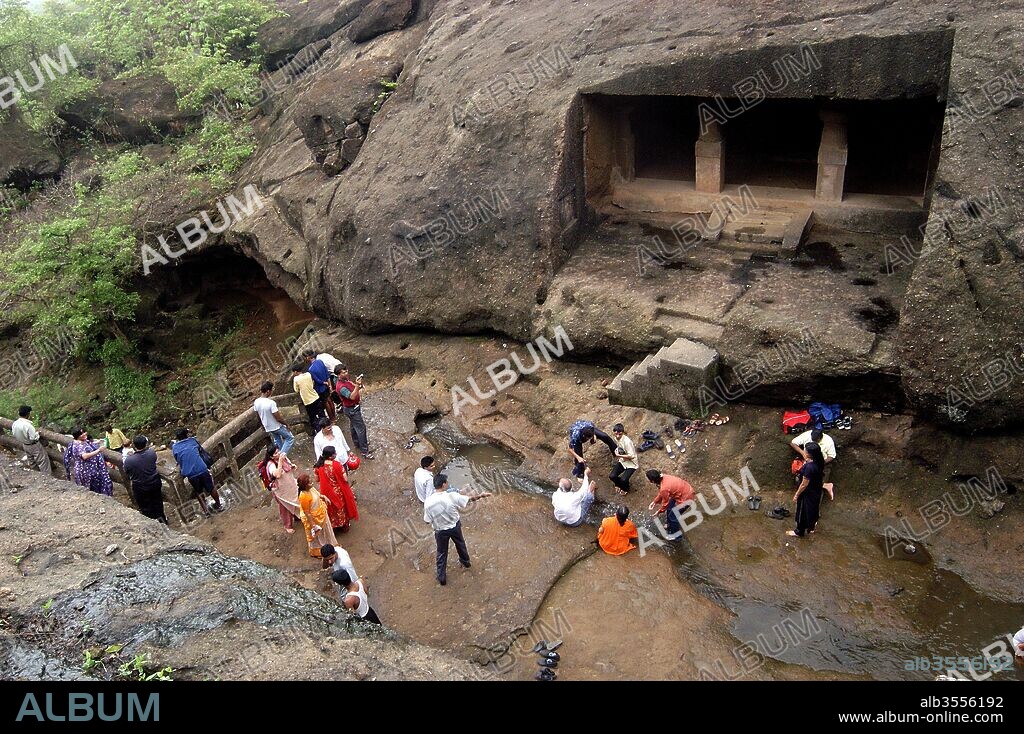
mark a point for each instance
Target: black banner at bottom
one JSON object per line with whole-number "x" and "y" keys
{"x": 834, "y": 705}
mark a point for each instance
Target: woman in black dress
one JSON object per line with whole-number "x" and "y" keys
{"x": 808, "y": 494}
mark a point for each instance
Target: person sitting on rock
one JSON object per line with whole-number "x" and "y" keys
{"x": 581, "y": 432}
{"x": 572, "y": 504}
{"x": 616, "y": 532}
{"x": 828, "y": 452}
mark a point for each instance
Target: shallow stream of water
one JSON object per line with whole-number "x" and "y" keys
{"x": 949, "y": 618}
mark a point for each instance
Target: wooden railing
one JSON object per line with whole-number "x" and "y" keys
{"x": 232, "y": 446}
{"x": 238, "y": 441}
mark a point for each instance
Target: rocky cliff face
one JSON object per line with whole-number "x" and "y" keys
{"x": 470, "y": 175}
{"x": 425, "y": 166}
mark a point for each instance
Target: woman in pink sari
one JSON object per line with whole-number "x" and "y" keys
{"x": 281, "y": 473}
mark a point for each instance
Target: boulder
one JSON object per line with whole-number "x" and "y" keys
{"x": 25, "y": 155}
{"x": 381, "y": 16}
{"x": 304, "y": 22}
{"x": 140, "y": 109}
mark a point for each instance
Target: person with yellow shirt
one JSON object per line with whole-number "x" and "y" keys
{"x": 302, "y": 382}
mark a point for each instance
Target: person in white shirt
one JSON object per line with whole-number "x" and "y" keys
{"x": 423, "y": 479}
{"x": 353, "y": 595}
{"x": 828, "y": 451}
{"x": 626, "y": 456}
{"x": 571, "y": 505}
{"x": 23, "y": 430}
{"x": 270, "y": 417}
{"x": 1018, "y": 646}
{"x": 338, "y": 559}
{"x": 330, "y": 435}
{"x": 441, "y": 510}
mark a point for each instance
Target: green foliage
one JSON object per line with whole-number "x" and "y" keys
{"x": 25, "y": 37}
{"x": 387, "y": 86}
{"x": 135, "y": 669}
{"x": 52, "y": 401}
{"x": 131, "y": 391}
{"x": 89, "y": 661}
{"x": 202, "y": 47}
{"x": 217, "y": 151}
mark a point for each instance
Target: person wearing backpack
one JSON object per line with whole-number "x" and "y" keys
{"x": 278, "y": 475}
{"x": 194, "y": 463}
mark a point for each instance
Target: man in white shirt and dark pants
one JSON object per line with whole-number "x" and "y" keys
{"x": 441, "y": 510}
{"x": 23, "y": 430}
{"x": 270, "y": 417}
{"x": 571, "y": 505}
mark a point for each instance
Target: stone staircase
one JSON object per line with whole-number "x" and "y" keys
{"x": 669, "y": 380}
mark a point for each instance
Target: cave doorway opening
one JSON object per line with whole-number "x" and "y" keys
{"x": 867, "y": 160}
{"x": 216, "y": 308}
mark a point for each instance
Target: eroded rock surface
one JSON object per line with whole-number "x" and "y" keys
{"x": 169, "y": 596}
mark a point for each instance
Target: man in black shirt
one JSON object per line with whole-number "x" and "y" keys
{"x": 140, "y": 468}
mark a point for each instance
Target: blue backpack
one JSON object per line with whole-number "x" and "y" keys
{"x": 824, "y": 415}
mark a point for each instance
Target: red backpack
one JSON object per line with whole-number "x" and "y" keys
{"x": 796, "y": 421}
{"x": 268, "y": 482}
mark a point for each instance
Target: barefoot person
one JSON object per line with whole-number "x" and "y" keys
{"x": 281, "y": 474}
{"x": 673, "y": 495}
{"x": 572, "y": 503}
{"x": 808, "y": 494}
{"x": 84, "y": 462}
{"x": 140, "y": 468}
{"x": 828, "y": 453}
{"x": 625, "y": 452}
{"x": 189, "y": 455}
{"x": 441, "y": 510}
{"x": 616, "y": 533}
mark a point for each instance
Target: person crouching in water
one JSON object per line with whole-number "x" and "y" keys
{"x": 616, "y": 532}
{"x": 808, "y": 494}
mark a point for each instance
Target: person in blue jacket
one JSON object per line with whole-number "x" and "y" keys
{"x": 187, "y": 452}
{"x": 321, "y": 380}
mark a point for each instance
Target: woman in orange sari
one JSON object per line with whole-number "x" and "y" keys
{"x": 335, "y": 487}
{"x": 313, "y": 513}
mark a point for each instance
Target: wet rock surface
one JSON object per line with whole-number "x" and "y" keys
{"x": 171, "y": 597}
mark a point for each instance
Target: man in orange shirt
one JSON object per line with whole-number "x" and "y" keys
{"x": 615, "y": 533}
{"x": 673, "y": 492}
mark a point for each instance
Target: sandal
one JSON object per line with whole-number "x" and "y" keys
{"x": 649, "y": 435}
{"x": 646, "y": 446}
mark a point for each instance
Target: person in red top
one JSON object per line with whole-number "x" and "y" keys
{"x": 349, "y": 394}
{"x": 334, "y": 486}
{"x": 672, "y": 492}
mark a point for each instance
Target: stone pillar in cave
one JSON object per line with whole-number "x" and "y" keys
{"x": 625, "y": 145}
{"x": 710, "y": 171}
{"x": 832, "y": 154}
